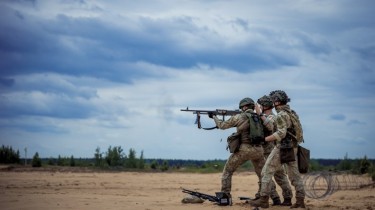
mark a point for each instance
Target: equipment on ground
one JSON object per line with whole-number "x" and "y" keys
{"x": 221, "y": 198}
{"x": 243, "y": 198}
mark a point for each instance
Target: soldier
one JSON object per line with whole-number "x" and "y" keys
{"x": 264, "y": 109}
{"x": 285, "y": 130}
{"x": 247, "y": 150}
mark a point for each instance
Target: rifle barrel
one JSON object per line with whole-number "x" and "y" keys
{"x": 216, "y": 112}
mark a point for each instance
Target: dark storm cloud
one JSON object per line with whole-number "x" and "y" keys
{"x": 6, "y": 82}
{"x": 89, "y": 46}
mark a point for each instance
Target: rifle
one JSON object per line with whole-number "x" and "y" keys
{"x": 222, "y": 112}
{"x": 221, "y": 198}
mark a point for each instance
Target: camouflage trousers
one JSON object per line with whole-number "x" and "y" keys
{"x": 235, "y": 160}
{"x": 273, "y": 165}
{"x": 279, "y": 176}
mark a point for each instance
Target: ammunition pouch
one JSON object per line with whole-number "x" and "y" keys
{"x": 234, "y": 142}
{"x": 287, "y": 151}
{"x": 303, "y": 156}
{"x": 257, "y": 141}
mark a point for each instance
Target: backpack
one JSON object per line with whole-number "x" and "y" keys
{"x": 256, "y": 134}
{"x": 297, "y": 132}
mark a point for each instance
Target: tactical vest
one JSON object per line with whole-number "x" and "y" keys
{"x": 250, "y": 127}
{"x": 256, "y": 131}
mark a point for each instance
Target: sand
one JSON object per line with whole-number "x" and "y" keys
{"x": 64, "y": 189}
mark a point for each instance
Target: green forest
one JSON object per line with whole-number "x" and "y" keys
{"x": 114, "y": 158}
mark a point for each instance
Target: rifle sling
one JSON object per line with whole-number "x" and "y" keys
{"x": 210, "y": 128}
{"x": 198, "y": 122}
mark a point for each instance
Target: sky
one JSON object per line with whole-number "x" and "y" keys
{"x": 80, "y": 75}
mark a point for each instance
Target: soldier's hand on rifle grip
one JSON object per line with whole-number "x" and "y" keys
{"x": 211, "y": 115}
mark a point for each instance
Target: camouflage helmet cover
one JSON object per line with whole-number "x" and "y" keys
{"x": 246, "y": 101}
{"x": 265, "y": 101}
{"x": 280, "y": 96}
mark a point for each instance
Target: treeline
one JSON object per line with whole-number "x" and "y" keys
{"x": 114, "y": 158}
{"x": 8, "y": 155}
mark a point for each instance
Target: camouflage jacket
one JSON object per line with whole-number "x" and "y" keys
{"x": 270, "y": 123}
{"x": 240, "y": 121}
{"x": 283, "y": 122}
{"x": 269, "y": 128}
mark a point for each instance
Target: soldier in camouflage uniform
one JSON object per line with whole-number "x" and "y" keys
{"x": 264, "y": 109}
{"x": 273, "y": 164}
{"x": 247, "y": 151}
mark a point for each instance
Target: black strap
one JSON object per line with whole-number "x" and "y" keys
{"x": 210, "y": 128}
{"x": 198, "y": 122}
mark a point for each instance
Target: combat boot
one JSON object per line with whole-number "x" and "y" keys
{"x": 287, "y": 202}
{"x": 261, "y": 202}
{"x": 276, "y": 201}
{"x": 257, "y": 196}
{"x": 300, "y": 203}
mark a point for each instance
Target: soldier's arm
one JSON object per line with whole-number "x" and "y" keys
{"x": 268, "y": 122}
{"x": 281, "y": 122}
{"x": 230, "y": 123}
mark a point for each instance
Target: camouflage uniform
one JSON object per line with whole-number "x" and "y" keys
{"x": 254, "y": 153}
{"x": 273, "y": 164}
{"x": 280, "y": 175}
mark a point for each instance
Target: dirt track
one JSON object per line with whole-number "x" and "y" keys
{"x": 144, "y": 191}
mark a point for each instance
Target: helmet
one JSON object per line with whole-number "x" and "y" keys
{"x": 246, "y": 101}
{"x": 265, "y": 101}
{"x": 279, "y": 95}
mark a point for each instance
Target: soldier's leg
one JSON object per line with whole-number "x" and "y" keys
{"x": 282, "y": 180}
{"x": 271, "y": 165}
{"x": 267, "y": 148}
{"x": 258, "y": 161}
{"x": 258, "y": 166}
{"x": 274, "y": 194}
{"x": 226, "y": 178}
{"x": 233, "y": 162}
{"x": 296, "y": 180}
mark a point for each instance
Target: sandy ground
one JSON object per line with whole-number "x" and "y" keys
{"x": 144, "y": 191}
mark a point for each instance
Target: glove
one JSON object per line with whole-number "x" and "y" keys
{"x": 211, "y": 115}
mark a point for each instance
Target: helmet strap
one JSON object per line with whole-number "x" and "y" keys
{"x": 267, "y": 109}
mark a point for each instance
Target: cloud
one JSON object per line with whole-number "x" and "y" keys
{"x": 86, "y": 45}
{"x": 6, "y": 82}
{"x": 356, "y": 122}
{"x": 46, "y": 95}
{"x": 338, "y": 117}
{"x": 94, "y": 74}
